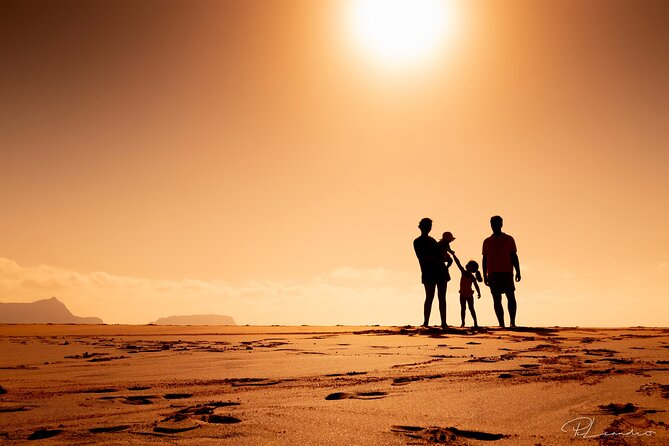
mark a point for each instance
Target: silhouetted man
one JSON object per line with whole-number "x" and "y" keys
{"x": 433, "y": 269}
{"x": 499, "y": 260}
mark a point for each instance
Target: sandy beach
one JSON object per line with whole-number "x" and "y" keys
{"x": 248, "y": 385}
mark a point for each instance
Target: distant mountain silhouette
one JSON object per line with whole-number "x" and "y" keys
{"x": 41, "y": 312}
{"x": 199, "y": 319}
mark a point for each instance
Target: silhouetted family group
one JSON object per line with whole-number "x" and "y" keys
{"x": 499, "y": 260}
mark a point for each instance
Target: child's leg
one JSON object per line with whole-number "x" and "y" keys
{"x": 463, "y": 309}
{"x": 471, "y": 309}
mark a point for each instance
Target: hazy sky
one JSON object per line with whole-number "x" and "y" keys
{"x": 247, "y": 158}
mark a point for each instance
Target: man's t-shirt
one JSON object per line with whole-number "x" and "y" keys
{"x": 498, "y": 250}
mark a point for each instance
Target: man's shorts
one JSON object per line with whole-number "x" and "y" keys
{"x": 501, "y": 283}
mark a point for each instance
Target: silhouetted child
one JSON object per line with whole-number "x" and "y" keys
{"x": 470, "y": 276}
{"x": 445, "y": 247}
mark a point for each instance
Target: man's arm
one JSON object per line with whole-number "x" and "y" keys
{"x": 516, "y": 264}
{"x": 419, "y": 249}
{"x": 484, "y": 266}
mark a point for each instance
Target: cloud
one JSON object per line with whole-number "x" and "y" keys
{"x": 345, "y": 295}
{"x": 547, "y": 295}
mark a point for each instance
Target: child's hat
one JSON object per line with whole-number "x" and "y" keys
{"x": 448, "y": 237}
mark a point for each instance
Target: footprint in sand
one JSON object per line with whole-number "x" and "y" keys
{"x": 485, "y": 359}
{"x": 617, "y": 360}
{"x": 600, "y": 352}
{"x": 222, "y": 404}
{"x": 138, "y": 400}
{"x": 587, "y": 340}
{"x": 356, "y": 396}
{"x": 402, "y": 380}
{"x": 651, "y": 388}
{"x": 41, "y": 434}
{"x": 221, "y": 419}
{"x": 405, "y": 380}
{"x": 136, "y": 388}
{"x": 2, "y": 390}
{"x": 6, "y": 409}
{"x": 598, "y": 371}
{"x": 177, "y": 396}
{"x": 617, "y": 409}
{"x": 629, "y": 418}
{"x": 201, "y": 409}
{"x": 529, "y": 366}
{"x": 176, "y": 426}
{"x": 444, "y": 435}
{"x": 191, "y": 417}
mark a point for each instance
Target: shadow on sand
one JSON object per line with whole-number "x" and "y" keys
{"x": 541, "y": 331}
{"x": 438, "y": 332}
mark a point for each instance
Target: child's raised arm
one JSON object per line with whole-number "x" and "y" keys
{"x": 457, "y": 262}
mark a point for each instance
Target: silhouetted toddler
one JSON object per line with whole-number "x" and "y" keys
{"x": 470, "y": 276}
{"x": 445, "y": 247}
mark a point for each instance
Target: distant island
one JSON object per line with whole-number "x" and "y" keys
{"x": 198, "y": 319}
{"x": 45, "y": 311}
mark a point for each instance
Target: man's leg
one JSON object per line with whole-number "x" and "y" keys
{"x": 441, "y": 295}
{"x": 429, "y": 297}
{"x": 499, "y": 310}
{"x": 463, "y": 309}
{"x": 511, "y": 304}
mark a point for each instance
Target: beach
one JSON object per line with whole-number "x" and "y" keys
{"x": 308, "y": 385}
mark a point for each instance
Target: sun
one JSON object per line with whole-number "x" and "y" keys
{"x": 400, "y": 33}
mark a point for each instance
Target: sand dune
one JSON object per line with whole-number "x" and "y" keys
{"x": 73, "y": 384}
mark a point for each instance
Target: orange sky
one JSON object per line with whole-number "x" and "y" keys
{"x": 243, "y": 158}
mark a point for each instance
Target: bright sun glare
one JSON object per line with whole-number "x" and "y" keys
{"x": 400, "y": 33}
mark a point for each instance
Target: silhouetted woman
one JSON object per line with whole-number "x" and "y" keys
{"x": 434, "y": 273}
